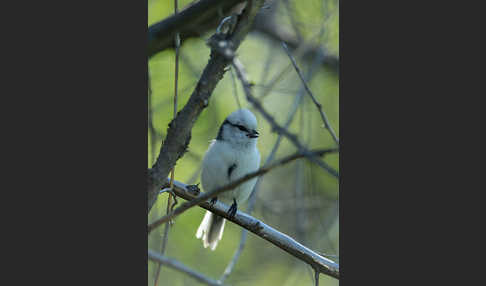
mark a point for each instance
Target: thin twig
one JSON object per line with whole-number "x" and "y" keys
{"x": 236, "y": 256}
{"x": 275, "y": 89}
{"x": 293, "y": 111}
{"x": 273, "y": 30}
{"x": 300, "y": 217}
{"x": 293, "y": 20}
{"x": 316, "y": 277}
{"x": 317, "y": 104}
{"x": 177, "y": 41}
{"x": 281, "y": 240}
{"x": 299, "y": 51}
{"x": 151, "y": 127}
{"x": 195, "y": 71}
{"x": 275, "y": 126}
{"x": 266, "y": 67}
{"x": 235, "y": 88}
{"x": 202, "y": 16}
{"x": 271, "y": 85}
{"x": 193, "y": 21}
{"x": 263, "y": 170}
{"x": 174, "y": 264}
{"x": 171, "y": 206}
{"x": 192, "y": 179}
{"x": 165, "y": 239}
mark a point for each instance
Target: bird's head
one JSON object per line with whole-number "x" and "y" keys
{"x": 239, "y": 128}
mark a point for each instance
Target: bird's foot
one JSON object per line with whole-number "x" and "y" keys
{"x": 213, "y": 201}
{"x": 193, "y": 189}
{"x": 233, "y": 208}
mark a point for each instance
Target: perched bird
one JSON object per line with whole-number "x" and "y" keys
{"x": 232, "y": 155}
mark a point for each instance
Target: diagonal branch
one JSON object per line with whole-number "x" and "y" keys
{"x": 179, "y": 131}
{"x": 174, "y": 264}
{"x": 314, "y": 100}
{"x": 190, "y": 22}
{"x": 231, "y": 265}
{"x": 281, "y": 240}
{"x": 275, "y": 126}
{"x": 170, "y": 206}
{"x": 211, "y": 194}
{"x": 205, "y": 15}
{"x": 274, "y": 30}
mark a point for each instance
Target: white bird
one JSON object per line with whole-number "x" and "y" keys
{"x": 232, "y": 155}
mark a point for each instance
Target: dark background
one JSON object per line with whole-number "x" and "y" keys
{"x": 76, "y": 148}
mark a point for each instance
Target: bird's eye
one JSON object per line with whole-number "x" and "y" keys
{"x": 242, "y": 128}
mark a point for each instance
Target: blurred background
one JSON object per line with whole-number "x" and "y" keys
{"x": 299, "y": 199}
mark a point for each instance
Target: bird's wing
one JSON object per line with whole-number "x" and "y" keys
{"x": 214, "y": 169}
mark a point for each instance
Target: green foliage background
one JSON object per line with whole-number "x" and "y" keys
{"x": 277, "y": 205}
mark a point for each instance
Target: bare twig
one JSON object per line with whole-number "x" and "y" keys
{"x": 317, "y": 104}
{"x": 316, "y": 277}
{"x": 275, "y": 126}
{"x": 263, "y": 170}
{"x": 203, "y": 16}
{"x": 235, "y": 88}
{"x": 300, "y": 49}
{"x": 293, "y": 111}
{"x": 266, "y": 24}
{"x": 293, "y": 20}
{"x": 192, "y": 21}
{"x": 174, "y": 264}
{"x": 180, "y": 129}
{"x": 283, "y": 241}
{"x": 171, "y": 206}
{"x": 151, "y": 127}
{"x": 300, "y": 217}
{"x": 192, "y": 179}
{"x": 269, "y": 59}
{"x": 236, "y": 256}
{"x": 165, "y": 239}
{"x": 177, "y": 41}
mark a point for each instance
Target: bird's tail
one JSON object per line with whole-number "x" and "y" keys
{"x": 211, "y": 230}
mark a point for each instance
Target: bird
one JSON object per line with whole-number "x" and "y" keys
{"x": 232, "y": 155}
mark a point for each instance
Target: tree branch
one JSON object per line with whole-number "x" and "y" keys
{"x": 236, "y": 256}
{"x": 275, "y": 126}
{"x": 207, "y": 195}
{"x": 281, "y": 240}
{"x": 204, "y": 16}
{"x": 170, "y": 206}
{"x": 174, "y": 264}
{"x": 314, "y": 100}
{"x": 193, "y": 21}
{"x": 179, "y": 131}
{"x": 275, "y": 31}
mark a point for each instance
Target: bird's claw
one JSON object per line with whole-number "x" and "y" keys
{"x": 193, "y": 189}
{"x": 233, "y": 208}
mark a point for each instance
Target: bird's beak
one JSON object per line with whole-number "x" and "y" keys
{"x": 253, "y": 134}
